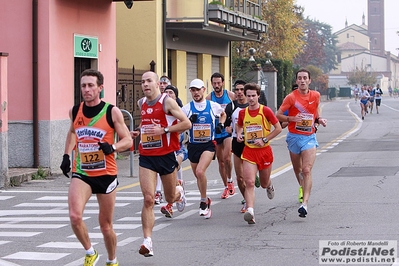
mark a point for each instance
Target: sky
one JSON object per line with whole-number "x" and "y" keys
{"x": 336, "y": 12}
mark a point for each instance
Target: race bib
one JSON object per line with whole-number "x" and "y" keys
{"x": 253, "y": 132}
{"x": 201, "y": 132}
{"x": 150, "y": 142}
{"x": 305, "y": 124}
{"x": 91, "y": 158}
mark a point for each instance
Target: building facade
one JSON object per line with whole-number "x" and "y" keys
{"x": 363, "y": 47}
{"x": 48, "y": 43}
{"x": 186, "y": 39}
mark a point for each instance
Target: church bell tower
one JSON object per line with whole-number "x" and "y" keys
{"x": 376, "y": 26}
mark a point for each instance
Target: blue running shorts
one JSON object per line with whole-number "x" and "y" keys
{"x": 297, "y": 143}
{"x": 364, "y": 101}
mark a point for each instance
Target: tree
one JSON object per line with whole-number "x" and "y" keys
{"x": 319, "y": 80}
{"x": 320, "y": 46}
{"x": 361, "y": 76}
{"x": 284, "y": 35}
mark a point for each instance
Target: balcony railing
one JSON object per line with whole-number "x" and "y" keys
{"x": 252, "y": 8}
{"x": 242, "y": 14}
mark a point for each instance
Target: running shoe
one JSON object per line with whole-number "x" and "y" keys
{"x": 257, "y": 181}
{"x": 300, "y": 194}
{"x": 146, "y": 248}
{"x": 158, "y": 198}
{"x": 91, "y": 260}
{"x": 167, "y": 210}
{"x": 181, "y": 204}
{"x": 249, "y": 217}
{"x": 232, "y": 189}
{"x": 112, "y": 264}
{"x": 270, "y": 192}
{"x": 244, "y": 208}
{"x": 205, "y": 208}
{"x": 303, "y": 211}
{"x": 225, "y": 193}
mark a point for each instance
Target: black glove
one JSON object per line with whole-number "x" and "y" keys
{"x": 219, "y": 128}
{"x": 66, "y": 165}
{"x": 106, "y": 147}
{"x": 193, "y": 118}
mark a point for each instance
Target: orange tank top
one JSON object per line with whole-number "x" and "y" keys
{"x": 307, "y": 105}
{"x": 89, "y": 160}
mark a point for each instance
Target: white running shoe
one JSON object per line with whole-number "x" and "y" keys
{"x": 249, "y": 217}
{"x": 158, "y": 198}
{"x": 205, "y": 209}
{"x": 146, "y": 248}
{"x": 181, "y": 204}
{"x": 270, "y": 192}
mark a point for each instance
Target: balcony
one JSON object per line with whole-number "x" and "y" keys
{"x": 235, "y": 20}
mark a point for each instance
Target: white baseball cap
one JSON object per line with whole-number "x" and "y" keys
{"x": 197, "y": 83}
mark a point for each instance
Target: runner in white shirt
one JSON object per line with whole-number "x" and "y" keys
{"x": 364, "y": 96}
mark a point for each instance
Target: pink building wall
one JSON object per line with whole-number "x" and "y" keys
{"x": 3, "y": 94}
{"x": 16, "y": 40}
{"x": 58, "y": 21}
{"x": 93, "y": 18}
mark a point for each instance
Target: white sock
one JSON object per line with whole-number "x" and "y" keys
{"x": 111, "y": 261}
{"x": 230, "y": 179}
{"x": 159, "y": 183}
{"x": 90, "y": 251}
{"x": 180, "y": 174}
{"x": 251, "y": 210}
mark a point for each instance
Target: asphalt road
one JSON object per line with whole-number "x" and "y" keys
{"x": 354, "y": 197}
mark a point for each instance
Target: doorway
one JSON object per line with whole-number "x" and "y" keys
{"x": 80, "y": 65}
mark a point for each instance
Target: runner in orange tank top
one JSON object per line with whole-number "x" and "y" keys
{"x": 91, "y": 136}
{"x": 303, "y": 112}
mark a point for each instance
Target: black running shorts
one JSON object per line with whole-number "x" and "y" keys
{"x": 104, "y": 184}
{"x": 163, "y": 165}
{"x": 195, "y": 150}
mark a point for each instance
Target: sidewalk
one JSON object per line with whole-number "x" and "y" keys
{"x": 20, "y": 175}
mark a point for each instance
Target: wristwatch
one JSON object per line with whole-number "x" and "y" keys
{"x": 114, "y": 147}
{"x": 166, "y": 130}
{"x": 265, "y": 140}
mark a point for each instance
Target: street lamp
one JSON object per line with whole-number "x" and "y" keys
{"x": 128, "y": 3}
{"x": 251, "y": 52}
